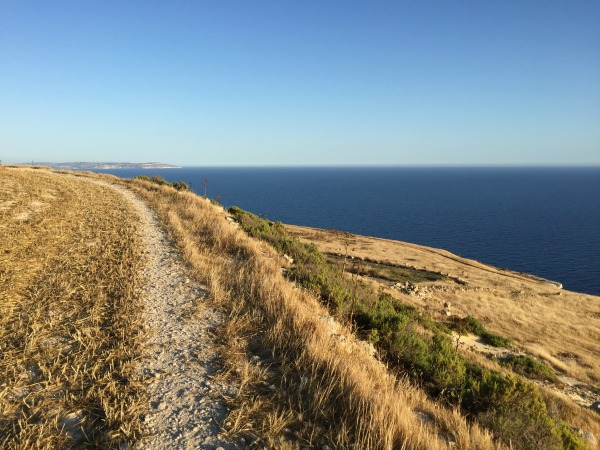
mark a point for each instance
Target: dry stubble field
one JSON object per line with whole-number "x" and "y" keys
{"x": 69, "y": 313}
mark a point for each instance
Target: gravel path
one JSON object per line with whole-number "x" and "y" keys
{"x": 179, "y": 357}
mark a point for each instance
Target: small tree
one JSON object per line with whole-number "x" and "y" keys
{"x": 346, "y": 237}
{"x": 358, "y": 269}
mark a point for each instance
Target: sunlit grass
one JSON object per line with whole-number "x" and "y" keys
{"x": 69, "y": 323}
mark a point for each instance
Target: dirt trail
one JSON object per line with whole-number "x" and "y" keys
{"x": 179, "y": 359}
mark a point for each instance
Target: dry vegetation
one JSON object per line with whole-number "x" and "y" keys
{"x": 304, "y": 384}
{"x": 559, "y": 327}
{"x": 69, "y": 269}
{"x": 69, "y": 260}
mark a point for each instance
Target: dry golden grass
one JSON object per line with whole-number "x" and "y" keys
{"x": 305, "y": 382}
{"x": 69, "y": 322}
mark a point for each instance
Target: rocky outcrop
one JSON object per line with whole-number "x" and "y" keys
{"x": 407, "y": 288}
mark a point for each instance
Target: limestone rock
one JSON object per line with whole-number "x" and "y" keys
{"x": 589, "y": 438}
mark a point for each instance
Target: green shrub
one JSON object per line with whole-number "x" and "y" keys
{"x": 180, "y": 186}
{"x": 529, "y": 367}
{"x": 381, "y": 316}
{"x": 410, "y": 349}
{"x": 156, "y": 179}
{"x": 447, "y": 367}
{"x": 496, "y": 341}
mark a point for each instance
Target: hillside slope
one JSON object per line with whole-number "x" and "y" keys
{"x": 559, "y": 326}
{"x": 77, "y": 291}
{"x": 306, "y": 381}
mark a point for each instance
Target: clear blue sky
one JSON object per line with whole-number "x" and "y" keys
{"x": 315, "y": 82}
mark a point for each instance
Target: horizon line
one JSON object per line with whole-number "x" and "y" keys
{"x": 257, "y": 166}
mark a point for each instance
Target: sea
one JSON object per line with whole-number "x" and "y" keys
{"x": 544, "y": 220}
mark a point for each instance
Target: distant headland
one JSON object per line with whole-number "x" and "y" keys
{"x": 108, "y": 165}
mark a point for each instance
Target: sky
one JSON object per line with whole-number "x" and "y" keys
{"x": 313, "y": 82}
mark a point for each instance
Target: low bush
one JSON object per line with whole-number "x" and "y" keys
{"x": 156, "y": 179}
{"x": 531, "y": 368}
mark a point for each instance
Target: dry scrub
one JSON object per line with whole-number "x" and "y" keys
{"x": 69, "y": 313}
{"x": 559, "y": 327}
{"x": 305, "y": 381}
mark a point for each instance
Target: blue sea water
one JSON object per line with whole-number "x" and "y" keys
{"x": 544, "y": 221}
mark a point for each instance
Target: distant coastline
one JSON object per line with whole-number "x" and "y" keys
{"x": 107, "y": 165}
